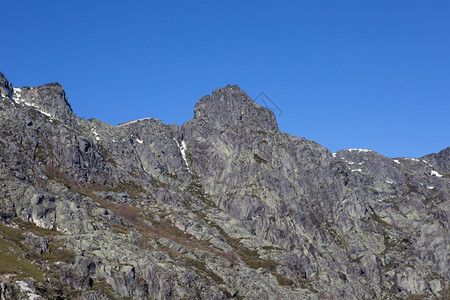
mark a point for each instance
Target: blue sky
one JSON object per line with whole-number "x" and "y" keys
{"x": 347, "y": 74}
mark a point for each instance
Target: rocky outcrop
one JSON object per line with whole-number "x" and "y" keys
{"x": 225, "y": 206}
{"x": 440, "y": 161}
{"x": 5, "y": 88}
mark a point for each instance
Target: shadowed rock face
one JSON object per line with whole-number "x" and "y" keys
{"x": 5, "y": 87}
{"x": 227, "y": 206}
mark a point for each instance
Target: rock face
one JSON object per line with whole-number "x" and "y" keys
{"x": 226, "y": 206}
{"x": 5, "y": 87}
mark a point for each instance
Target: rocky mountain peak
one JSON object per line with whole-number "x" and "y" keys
{"x": 227, "y": 207}
{"x": 230, "y": 106}
{"x": 49, "y": 99}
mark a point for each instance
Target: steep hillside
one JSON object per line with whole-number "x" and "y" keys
{"x": 225, "y": 206}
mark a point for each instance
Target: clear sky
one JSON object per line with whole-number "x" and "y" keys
{"x": 347, "y": 74}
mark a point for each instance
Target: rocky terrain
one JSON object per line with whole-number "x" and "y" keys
{"x": 224, "y": 207}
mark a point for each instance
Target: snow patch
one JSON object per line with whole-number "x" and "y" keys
{"x": 16, "y": 94}
{"x": 45, "y": 113}
{"x": 410, "y": 158}
{"x": 25, "y": 288}
{"x": 132, "y": 122}
{"x": 430, "y": 187}
{"x": 350, "y": 162}
{"x": 183, "y": 152}
{"x": 17, "y": 98}
{"x": 32, "y": 296}
{"x": 334, "y": 154}
{"x": 390, "y": 182}
{"x": 139, "y": 141}
{"x": 435, "y": 173}
{"x": 357, "y": 170}
{"x": 396, "y": 161}
{"x": 39, "y": 223}
{"x": 360, "y": 150}
{"x": 427, "y": 163}
{"x": 95, "y": 134}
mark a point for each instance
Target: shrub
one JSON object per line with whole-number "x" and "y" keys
{"x": 127, "y": 212}
{"x": 231, "y": 256}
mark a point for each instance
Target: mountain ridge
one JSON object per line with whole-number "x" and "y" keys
{"x": 156, "y": 211}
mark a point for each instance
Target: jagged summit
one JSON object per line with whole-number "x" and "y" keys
{"x": 230, "y": 106}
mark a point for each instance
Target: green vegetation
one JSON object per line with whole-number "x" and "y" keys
{"x": 16, "y": 257}
{"x": 383, "y": 223}
{"x": 132, "y": 188}
{"x": 306, "y": 284}
{"x": 104, "y": 288}
{"x": 251, "y": 257}
{"x": 283, "y": 280}
{"x": 200, "y": 266}
{"x": 259, "y": 159}
{"x": 159, "y": 184}
{"x": 12, "y": 263}
{"x": 107, "y": 155}
{"x": 195, "y": 188}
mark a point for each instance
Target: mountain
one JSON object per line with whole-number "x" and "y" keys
{"x": 224, "y": 207}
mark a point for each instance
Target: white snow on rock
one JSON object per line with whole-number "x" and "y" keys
{"x": 410, "y": 158}
{"x": 396, "y": 161}
{"x": 32, "y": 296}
{"x": 17, "y": 98}
{"x": 390, "y": 182}
{"x": 427, "y": 163}
{"x": 25, "y": 288}
{"x": 45, "y": 113}
{"x": 360, "y": 150}
{"x": 132, "y": 122}
{"x": 435, "y": 173}
{"x": 357, "y": 170}
{"x": 39, "y": 223}
{"x": 334, "y": 154}
{"x": 95, "y": 134}
{"x": 183, "y": 152}
{"x": 16, "y": 94}
{"x": 350, "y": 162}
{"x": 430, "y": 187}
{"x": 139, "y": 141}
